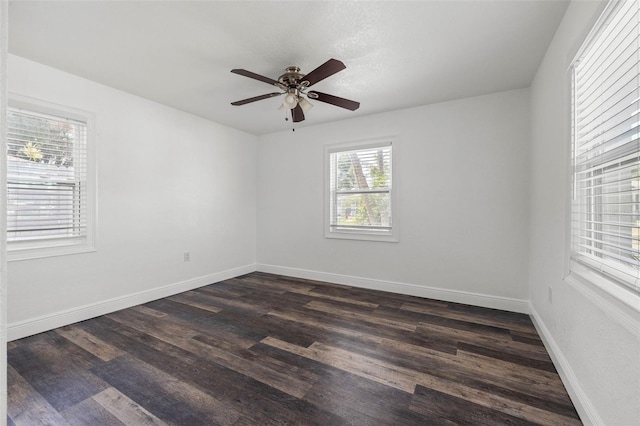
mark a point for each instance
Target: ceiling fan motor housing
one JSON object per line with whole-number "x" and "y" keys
{"x": 291, "y": 78}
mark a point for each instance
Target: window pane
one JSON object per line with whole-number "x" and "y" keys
{"x": 46, "y": 176}
{"x": 366, "y": 169}
{"x": 37, "y": 210}
{"x": 371, "y": 210}
{"x": 360, "y": 195}
{"x": 606, "y": 122}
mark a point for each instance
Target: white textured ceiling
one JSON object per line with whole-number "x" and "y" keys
{"x": 398, "y": 54}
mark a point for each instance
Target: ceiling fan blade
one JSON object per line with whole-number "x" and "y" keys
{"x": 256, "y": 98}
{"x": 325, "y": 70}
{"x": 297, "y": 114}
{"x": 255, "y": 76}
{"x": 334, "y": 100}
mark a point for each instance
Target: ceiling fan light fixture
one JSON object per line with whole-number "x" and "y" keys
{"x": 305, "y": 104}
{"x": 290, "y": 101}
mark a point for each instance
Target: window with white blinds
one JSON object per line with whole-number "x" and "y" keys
{"x": 606, "y": 145}
{"x": 47, "y": 179}
{"x": 360, "y": 197}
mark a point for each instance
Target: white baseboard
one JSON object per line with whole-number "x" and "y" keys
{"x": 476, "y": 299}
{"x": 20, "y": 329}
{"x": 581, "y": 402}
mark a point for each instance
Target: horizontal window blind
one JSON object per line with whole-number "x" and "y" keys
{"x": 361, "y": 189}
{"x": 46, "y": 176}
{"x": 605, "y": 213}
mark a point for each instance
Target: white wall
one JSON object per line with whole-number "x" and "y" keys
{"x": 168, "y": 182}
{"x": 462, "y": 178}
{"x": 594, "y": 341}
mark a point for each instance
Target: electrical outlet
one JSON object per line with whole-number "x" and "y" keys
{"x": 550, "y": 294}
{"x": 187, "y": 256}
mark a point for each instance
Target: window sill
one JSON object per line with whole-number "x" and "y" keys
{"x": 621, "y": 303}
{"x": 15, "y": 254}
{"x": 346, "y": 235}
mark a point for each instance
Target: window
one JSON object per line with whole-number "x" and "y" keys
{"x": 49, "y": 187}
{"x": 359, "y": 191}
{"x": 605, "y": 212}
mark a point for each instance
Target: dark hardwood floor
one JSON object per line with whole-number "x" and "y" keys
{"x": 264, "y": 349}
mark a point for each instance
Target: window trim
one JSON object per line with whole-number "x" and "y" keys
{"x": 35, "y": 249}
{"x": 586, "y": 275}
{"x": 363, "y": 235}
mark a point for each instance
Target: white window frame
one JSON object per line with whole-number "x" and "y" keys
{"x": 39, "y": 248}
{"x": 597, "y": 277}
{"x": 390, "y": 235}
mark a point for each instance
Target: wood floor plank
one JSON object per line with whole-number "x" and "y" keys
{"x": 181, "y": 298}
{"x": 209, "y": 295}
{"x": 363, "y": 402}
{"x": 57, "y": 369}
{"x": 183, "y": 337}
{"x": 25, "y": 406}
{"x": 89, "y": 342}
{"x": 468, "y": 325}
{"x": 217, "y": 326}
{"x": 124, "y": 409}
{"x": 264, "y": 349}
{"x": 370, "y": 368}
{"x": 516, "y": 322}
{"x": 284, "y": 382}
{"x": 275, "y": 285}
{"x": 353, "y": 293}
{"x": 546, "y": 365}
{"x": 266, "y": 404}
{"x": 528, "y": 338}
{"x": 290, "y": 331}
{"x": 406, "y": 380}
{"x": 351, "y": 329}
{"x": 458, "y": 410}
{"x": 358, "y": 327}
{"x": 450, "y": 368}
{"x": 503, "y": 342}
{"x": 89, "y": 412}
{"x": 166, "y": 397}
{"x": 345, "y": 300}
{"x": 170, "y": 358}
{"x": 143, "y": 320}
{"x": 495, "y": 402}
{"x": 351, "y": 315}
{"x": 547, "y": 383}
{"x": 243, "y": 392}
{"x": 269, "y": 301}
{"x": 359, "y": 402}
{"x": 227, "y": 288}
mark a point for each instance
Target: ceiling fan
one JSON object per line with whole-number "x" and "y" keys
{"x": 294, "y": 85}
